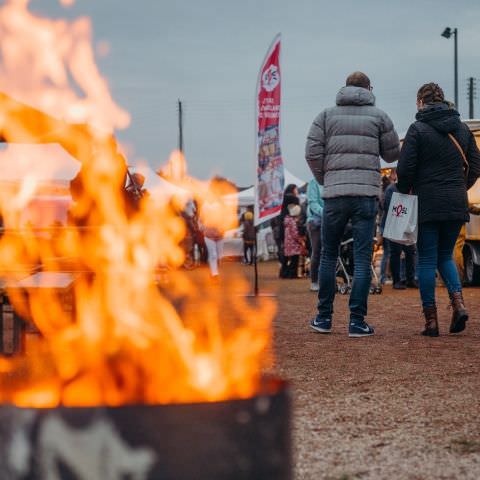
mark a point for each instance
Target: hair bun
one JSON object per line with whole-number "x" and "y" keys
{"x": 430, "y": 93}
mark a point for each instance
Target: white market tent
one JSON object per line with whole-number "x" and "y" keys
{"x": 384, "y": 165}
{"x": 247, "y": 197}
{"x": 158, "y": 186}
{"x": 50, "y": 162}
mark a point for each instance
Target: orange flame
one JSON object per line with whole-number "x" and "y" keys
{"x": 141, "y": 330}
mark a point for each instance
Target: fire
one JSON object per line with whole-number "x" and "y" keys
{"x": 46, "y": 62}
{"x": 142, "y": 330}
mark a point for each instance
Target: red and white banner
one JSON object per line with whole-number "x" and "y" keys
{"x": 270, "y": 179}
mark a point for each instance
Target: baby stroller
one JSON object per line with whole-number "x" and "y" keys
{"x": 345, "y": 266}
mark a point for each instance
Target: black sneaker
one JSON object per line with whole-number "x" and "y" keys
{"x": 321, "y": 325}
{"x": 399, "y": 286}
{"x": 359, "y": 328}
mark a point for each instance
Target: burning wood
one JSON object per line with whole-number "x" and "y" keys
{"x": 130, "y": 376}
{"x": 126, "y": 342}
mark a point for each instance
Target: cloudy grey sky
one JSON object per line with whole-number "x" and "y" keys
{"x": 208, "y": 53}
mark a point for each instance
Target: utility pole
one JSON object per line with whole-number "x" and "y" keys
{"x": 472, "y": 90}
{"x": 455, "y": 38}
{"x": 180, "y": 126}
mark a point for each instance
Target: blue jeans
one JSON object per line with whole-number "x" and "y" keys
{"x": 435, "y": 247}
{"x": 315, "y": 233}
{"x": 337, "y": 212}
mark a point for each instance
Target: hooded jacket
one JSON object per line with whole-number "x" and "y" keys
{"x": 345, "y": 142}
{"x": 431, "y": 166}
{"x": 314, "y": 202}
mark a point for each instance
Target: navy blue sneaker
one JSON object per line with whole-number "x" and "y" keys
{"x": 321, "y": 325}
{"x": 359, "y": 328}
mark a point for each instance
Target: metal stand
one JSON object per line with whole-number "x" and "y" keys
{"x": 256, "y": 292}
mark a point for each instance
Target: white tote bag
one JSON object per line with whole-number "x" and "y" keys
{"x": 401, "y": 225}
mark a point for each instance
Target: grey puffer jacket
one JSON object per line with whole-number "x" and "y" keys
{"x": 345, "y": 142}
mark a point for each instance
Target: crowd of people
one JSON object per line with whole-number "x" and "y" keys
{"x": 438, "y": 162}
{"x": 398, "y": 264}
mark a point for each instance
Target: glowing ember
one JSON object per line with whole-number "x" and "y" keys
{"x": 126, "y": 342}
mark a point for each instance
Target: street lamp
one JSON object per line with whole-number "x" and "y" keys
{"x": 447, "y": 33}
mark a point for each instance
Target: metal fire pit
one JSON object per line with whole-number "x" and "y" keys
{"x": 238, "y": 439}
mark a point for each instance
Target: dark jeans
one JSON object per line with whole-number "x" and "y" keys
{"x": 282, "y": 259}
{"x": 291, "y": 267}
{"x": 248, "y": 252}
{"x": 395, "y": 252}
{"x": 337, "y": 213}
{"x": 315, "y": 233}
{"x": 202, "y": 248}
{"x": 435, "y": 248}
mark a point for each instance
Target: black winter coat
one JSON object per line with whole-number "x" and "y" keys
{"x": 431, "y": 166}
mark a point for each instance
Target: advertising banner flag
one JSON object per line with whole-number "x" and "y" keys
{"x": 269, "y": 179}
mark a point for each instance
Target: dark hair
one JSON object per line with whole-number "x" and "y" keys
{"x": 289, "y": 189}
{"x": 358, "y": 79}
{"x": 288, "y": 199}
{"x": 430, "y": 93}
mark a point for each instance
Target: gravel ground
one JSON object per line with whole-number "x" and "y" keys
{"x": 396, "y": 405}
{"x": 392, "y": 406}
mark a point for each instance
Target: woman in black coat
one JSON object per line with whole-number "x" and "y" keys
{"x": 432, "y": 166}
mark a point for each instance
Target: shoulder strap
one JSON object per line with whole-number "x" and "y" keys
{"x": 466, "y": 166}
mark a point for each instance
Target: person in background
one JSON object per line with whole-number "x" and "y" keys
{"x": 135, "y": 191}
{"x": 213, "y": 220}
{"x": 248, "y": 236}
{"x": 214, "y": 244}
{"x": 396, "y": 250}
{"x": 314, "y": 228}
{"x": 343, "y": 151}
{"x": 293, "y": 242}
{"x": 387, "y": 180}
{"x": 198, "y": 236}
{"x": 439, "y": 162}
{"x": 290, "y": 197}
{"x": 187, "y": 243}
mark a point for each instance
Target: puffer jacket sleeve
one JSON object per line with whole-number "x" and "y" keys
{"x": 315, "y": 148}
{"x": 473, "y": 158}
{"x": 389, "y": 142}
{"x": 407, "y": 164}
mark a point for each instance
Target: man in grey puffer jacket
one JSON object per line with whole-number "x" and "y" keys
{"x": 343, "y": 149}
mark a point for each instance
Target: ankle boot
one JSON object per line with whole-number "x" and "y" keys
{"x": 431, "y": 322}
{"x": 459, "y": 314}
